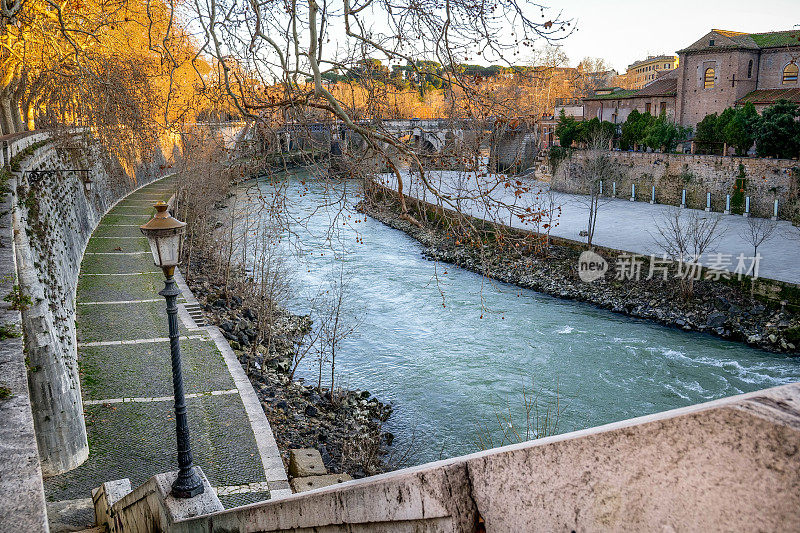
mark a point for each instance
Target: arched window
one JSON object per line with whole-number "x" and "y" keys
{"x": 750, "y": 69}
{"x": 708, "y": 79}
{"x": 790, "y": 74}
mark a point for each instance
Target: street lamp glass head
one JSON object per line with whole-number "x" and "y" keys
{"x": 166, "y": 237}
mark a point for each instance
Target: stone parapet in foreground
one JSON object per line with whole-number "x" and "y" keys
{"x": 725, "y": 465}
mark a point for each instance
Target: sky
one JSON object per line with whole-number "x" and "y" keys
{"x": 623, "y": 31}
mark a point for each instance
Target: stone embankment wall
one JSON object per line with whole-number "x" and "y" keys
{"x": 22, "y": 502}
{"x": 765, "y": 180}
{"x": 54, "y": 216}
{"x": 720, "y": 466}
{"x": 513, "y": 151}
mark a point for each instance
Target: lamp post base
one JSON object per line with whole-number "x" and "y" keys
{"x": 188, "y": 484}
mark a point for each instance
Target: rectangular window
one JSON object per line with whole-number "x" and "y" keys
{"x": 647, "y": 107}
{"x": 663, "y": 108}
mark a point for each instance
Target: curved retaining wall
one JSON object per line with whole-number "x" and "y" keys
{"x": 54, "y": 216}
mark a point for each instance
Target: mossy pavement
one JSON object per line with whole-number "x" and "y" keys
{"x": 136, "y": 439}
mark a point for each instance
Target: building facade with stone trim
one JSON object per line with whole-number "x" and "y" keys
{"x": 726, "y": 68}
{"x": 640, "y": 73}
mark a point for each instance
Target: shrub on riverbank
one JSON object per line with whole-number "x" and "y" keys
{"x": 346, "y": 426}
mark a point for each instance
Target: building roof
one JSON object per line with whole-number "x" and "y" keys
{"x": 775, "y": 39}
{"x": 726, "y": 39}
{"x": 652, "y": 59}
{"x": 770, "y": 96}
{"x": 666, "y": 85}
{"x": 622, "y": 93}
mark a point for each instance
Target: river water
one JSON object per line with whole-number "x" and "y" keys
{"x": 451, "y": 350}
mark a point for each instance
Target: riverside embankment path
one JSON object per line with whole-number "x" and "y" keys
{"x": 126, "y": 379}
{"x": 621, "y": 224}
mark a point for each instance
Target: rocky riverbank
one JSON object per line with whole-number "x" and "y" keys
{"x": 722, "y": 310}
{"x": 346, "y": 427}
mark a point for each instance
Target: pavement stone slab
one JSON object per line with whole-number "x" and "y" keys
{"x": 113, "y": 217}
{"x": 123, "y": 229}
{"x": 115, "y": 288}
{"x": 118, "y": 245}
{"x": 124, "y": 322}
{"x": 118, "y": 263}
{"x": 144, "y": 371}
{"x": 137, "y": 441}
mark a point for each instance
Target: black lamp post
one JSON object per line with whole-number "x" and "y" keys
{"x": 166, "y": 238}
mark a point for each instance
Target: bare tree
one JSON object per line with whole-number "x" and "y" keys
{"x": 758, "y": 231}
{"x": 338, "y": 321}
{"x": 269, "y": 288}
{"x": 685, "y": 238}
{"x": 598, "y": 167}
{"x": 306, "y": 63}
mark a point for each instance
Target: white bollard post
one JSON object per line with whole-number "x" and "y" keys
{"x": 601, "y": 187}
{"x": 683, "y": 198}
{"x": 613, "y": 189}
{"x": 746, "y": 206}
{"x": 653, "y": 195}
{"x": 727, "y": 204}
{"x": 708, "y": 201}
{"x": 775, "y": 210}
{"x": 633, "y": 192}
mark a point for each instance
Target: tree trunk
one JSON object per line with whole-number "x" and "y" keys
{"x": 16, "y": 99}
{"x": 6, "y": 120}
{"x": 30, "y": 118}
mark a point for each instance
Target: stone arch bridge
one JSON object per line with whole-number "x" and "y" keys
{"x": 510, "y": 144}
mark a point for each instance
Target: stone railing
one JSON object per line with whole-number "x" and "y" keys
{"x": 11, "y": 145}
{"x": 723, "y": 465}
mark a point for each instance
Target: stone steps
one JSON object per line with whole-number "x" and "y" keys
{"x": 196, "y": 313}
{"x": 308, "y": 472}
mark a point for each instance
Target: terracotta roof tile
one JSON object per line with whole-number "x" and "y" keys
{"x": 770, "y": 96}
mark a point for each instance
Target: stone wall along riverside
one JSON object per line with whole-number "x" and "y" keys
{"x": 719, "y": 466}
{"x": 22, "y": 500}
{"x": 765, "y": 180}
{"x": 53, "y": 219}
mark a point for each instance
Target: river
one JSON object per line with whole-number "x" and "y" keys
{"x": 451, "y": 350}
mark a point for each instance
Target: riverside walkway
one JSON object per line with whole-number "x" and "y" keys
{"x": 621, "y": 224}
{"x": 126, "y": 379}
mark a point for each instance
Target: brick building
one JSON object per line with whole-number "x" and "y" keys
{"x": 722, "y": 69}
{"x": 614, "y": 105}
{"x": 726, "y": 68}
